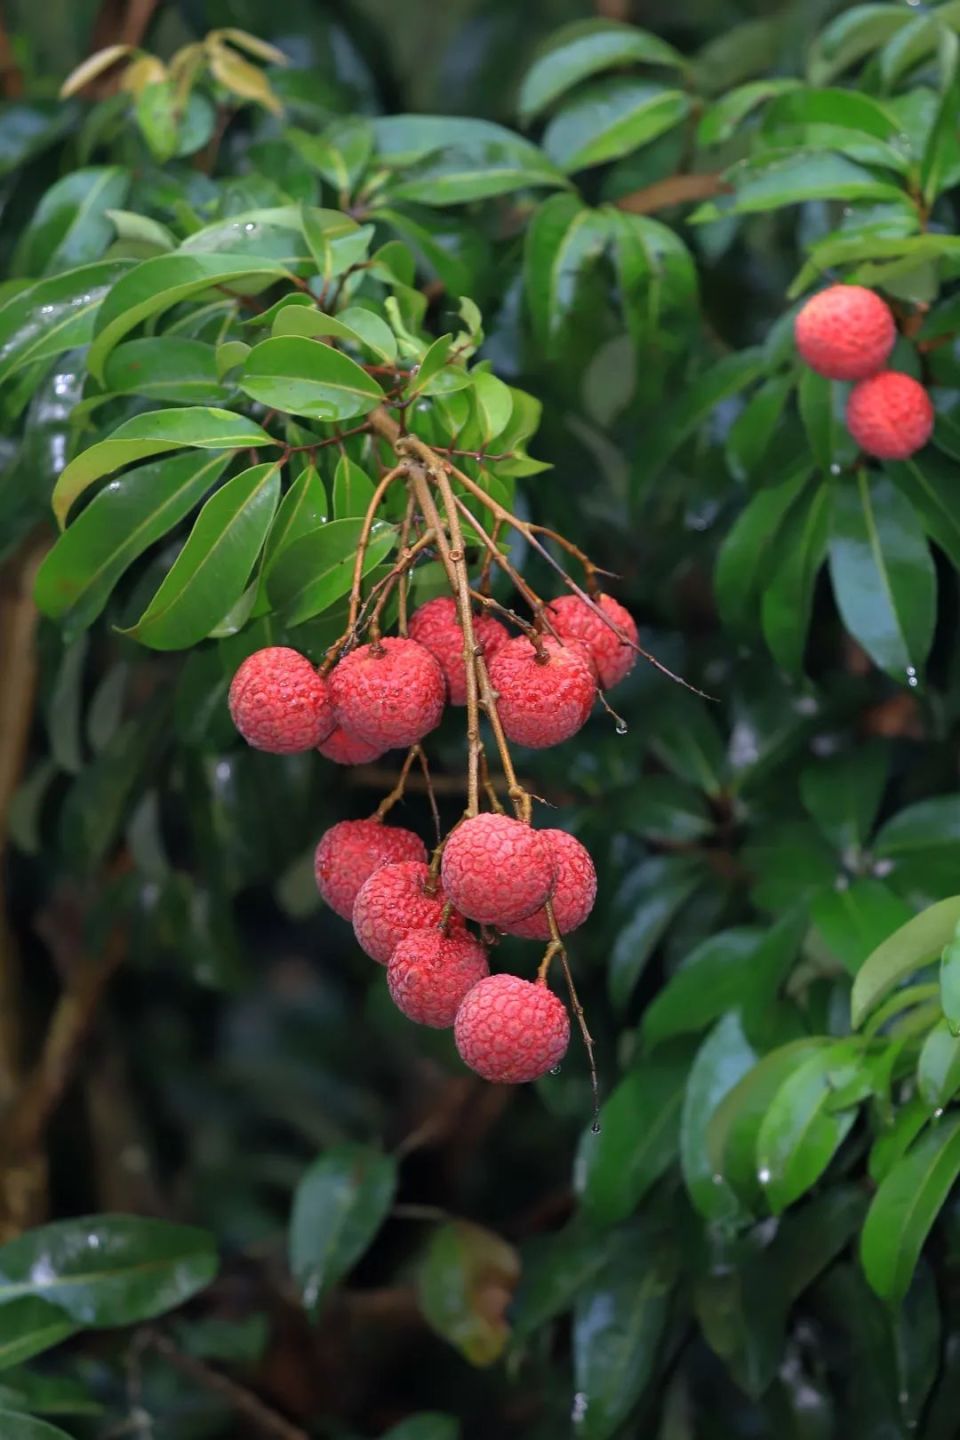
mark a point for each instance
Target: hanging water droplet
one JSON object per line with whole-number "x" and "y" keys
{"x": 579, "y": 1411}
{"x": 717, "y": 1179}
{"x": 912, "y": 677}
{"x": 763, "y": 1175}
{"x": 555, "y": 1070}
{"x": 938, "y": 1113}
{"x": 622, "y": 727}
{"x": 595, "y": 1128}
{"x": 836, "y": 469}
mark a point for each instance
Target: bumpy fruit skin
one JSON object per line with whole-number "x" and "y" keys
{"x": 430, "y": 973}
{"x": 345, "y": 749}
{"x": 389, "y": 695}
{"x": 573, "y": 619}
{"x": 497, "y": 870}
{"x": 890, "y": 415}
{"x": 279, "y": 703}
{"x": 510, "y": 1030}
{"x": 436, "y": 627}
{"x": 542, "y": 704}
{"x": 395, "y": 901}
{"x": 349, "y": 852}
{"x": 845, "y": 332}
{"x": 574, "y": 890}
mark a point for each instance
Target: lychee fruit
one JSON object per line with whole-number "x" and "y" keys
{"x": 349, "y": 852}
{"x": 574, "y": 619}
{"x": 890, "y": 415}
{"x": 389, "y": 694}
{"x": 510, "y": 1030}
{"x": 436, "y": 626}
{"x": 279, "y": 703}
{"x": 845, "y": 332}
{"x": 395, "y": 900}
{"x": 541, "y": 703}
{"x": 574, "y": 890}
{"x": 345, "y": 749}
{"x": 497, "y": 870}
{"x": 429, "y": 974}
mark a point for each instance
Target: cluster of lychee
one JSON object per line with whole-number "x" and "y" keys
{"x": 408, "y": 913}
{"x": 847, "y": 332}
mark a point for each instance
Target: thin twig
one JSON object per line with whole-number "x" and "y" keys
{"x": 247, "y": 1405}
{"x": 396, "y": 794}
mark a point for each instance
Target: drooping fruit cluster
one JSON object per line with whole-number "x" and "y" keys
{"x": 847, "y": 332}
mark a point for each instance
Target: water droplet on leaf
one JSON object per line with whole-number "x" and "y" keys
{"x": 595, "y": 1128}
{"x": 763, "y": 1175}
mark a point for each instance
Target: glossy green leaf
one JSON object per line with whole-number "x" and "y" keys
{"x": 893, "y": 1142}
{"x": 748, "y": 549}
{"x": 554, "y": 1269}
{"x": 904, "y": 1209}
{"x": 15, "y": 1426}
{"x": 302, "y": 509}
{"x": 726, "y": 114}
{"x": 788, "y": 598}
{"x": 927, "y": 482}
{"x": 807, "y": 175}
{"x": 668, "y": 809}
{"x": 711, "y": 980}
{"x": 108, "y": 1270}
{"x": 661, "y": 885}
{"x": 938, "y": 1067}
{"x": 30, "y": 1326}
{"x": 818, "y": 410}
{"x": 465, "y": 1271}
{"x": 163, "y": 281}
{"x": 610, "y": 119}
{"x": 444, "y": 160}
{"x": 854, "y": 918}
{"x": 843, "y": 792}
{"x": 317, "y": 568}
{"x": 338, "y": 1207}
{"x": 129, "y": 514}
{"x": 928, "y": 824}
{"x": 914, "y": 945}
{"x": 721, "y": 1062}
{"x": 352, "y": 489}
{"x": 361, "y": 327}
{"x": 727, "y": 377}
{"x": 54, "y": 315}
{"x": 103, "y": 793}
{"x": 750, "y": 435}
{"x": 304, "y": 377}
{"x": 563, "y": 239}
{"x": 883, "y": 575}
{"x": 851, "y": 35}
{"x": 71, "y": 225}
{"x": 950, "y": 983}
{"x": 212, "y": 569}
{"x": 154, "y": 433}
{"x": 165, "y": 368}
{"x": 585, "y": 48}
{"x": 638, "y": 1138}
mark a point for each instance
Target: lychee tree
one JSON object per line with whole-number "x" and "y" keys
{"x": 394, "y": 441}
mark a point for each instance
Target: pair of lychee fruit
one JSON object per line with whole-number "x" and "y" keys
{"x": 847, "y": 333}
{"x": 392, "y": 692}
{"x": 496, "y": 871}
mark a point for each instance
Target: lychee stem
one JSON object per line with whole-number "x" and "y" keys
{"x": 396, "y": 794}
{"x": 363, "y": 541}
{"x": 554, "y": 949}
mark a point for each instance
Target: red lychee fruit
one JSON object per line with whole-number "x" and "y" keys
{"x": 345, "y": 749}
{"x": 279, "y": 703}
{"x": 541, "y": 703}
{"x": 395, "y": 900}
{"x": 845, "y": 332}
{"x": 574, "y": 619}
{"x": 510, "y": 1030}
{"x": 349, "y": 852}
{"x": 497, "y": 870}
{"x": 429, "y": 974}
{"x": 389, "y": 694}
{"x": 436, "y": 626}
{"x": 574, "y": 890}
{"x": 890, "y": 415}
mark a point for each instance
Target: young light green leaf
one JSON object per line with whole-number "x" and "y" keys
{"x": 610, "y": 119}
{"x": 154, "y": 433}
{"x": 338, "y": 1207}
{"x": 585, "y": 48}
{"x": 903, "y": 1211}
{"x": 304, "y": 377}
{"x": 915, "y": 944}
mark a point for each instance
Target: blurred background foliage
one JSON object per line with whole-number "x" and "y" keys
{"x": 187, "y": 1036}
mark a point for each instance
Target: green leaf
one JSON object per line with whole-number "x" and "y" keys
{"x": 892, "y": 1143}
{"x": 154, "y": 433}
{"x": 352, "y": 489}
{"x": 788, "y": 598}
{"x": 843, "y": 792}
{"x": 494, "y": 402}
{"x": 914, "y": 945}
{"x": 464, "y": 1273}
{"x": 938, "y": 1067}
{"x": 924, "y": 826}
{"x": 950, "y": 983}
{"x": 711, "y": 980}
{"x": 71, "y": 225}
{"x": 821, "y": 421}
{"x": 54, "y": 315}
{"x": 108, "y": 1270}
{"x": 725, "y": 115}
{"x": 616, "y": 1167}
{"x": 165, "y": 368}
{"x": 304, "y": 377}
{"x": 850, "y": 36}
{"x": 156, "y": 112}
{"x": 338, "y": 1207}
{"x": 927, "y": 482}
{"x": 302, "y": 509}
{"x": 617, "y": 1327}
{"x": 132, "y": 512}
{"x": 429, "y": 1425}
{"x": 685, "y": 738}
{"x": 657, "y": 278}
{"x": 662, "y": 885}
{"x": 317, "y": 568}
{"x": 610, "y": 119}
{"x": 555, "y": 1268}
{"x": 14, "y": 1426}
{"x": 28, "y": 1327}
{"x": 853, "y": 919}
{"x": 563, "y": 239}
{"x": 721, "y": 1062}
{"x": 727, "y": 377}
{"x": 905, "y": 1207}
{"x": 667, "y": 809}
{"x": 360, "y": 327}
{"x": 445, "y": 160}
{"x": 577, "y": 51}
{"x": 807, "y": 175}
{"x": 750, "y": 435}
{"x": 157, "y": 284}
{"x": 746, "y": 554}
{"x": 803, "y": 1128}
{"x": 210, "y": 573}
{"x": 883, "y": 575}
